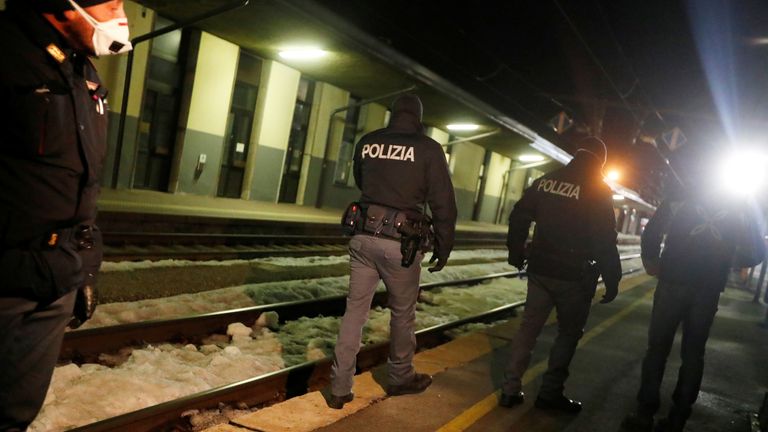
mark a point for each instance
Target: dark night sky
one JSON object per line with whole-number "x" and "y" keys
{"x": 628, "y": 63}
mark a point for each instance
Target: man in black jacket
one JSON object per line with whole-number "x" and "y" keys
{"x": 706, "y": 233}
{"x": 52, "y": 145}
{"x": 398, "y": 169}
{"x": 575, "y": 227}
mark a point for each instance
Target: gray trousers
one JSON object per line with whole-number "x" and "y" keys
{"x": 30, "y": 340}
{"x": 572, "y": 304}
{"x": 373, "y": 259}
{"x": 673, "y": 304}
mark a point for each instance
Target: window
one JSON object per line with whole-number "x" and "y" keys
{"x": 294, "y": 156}
{"x": 160, "y": 109}
{"x": 239, "y": 125}
{"x": 343, "y": 175}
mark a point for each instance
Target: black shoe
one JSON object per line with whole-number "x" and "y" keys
{"x": 637, "y": 422}
{"x": 337, "y": 402}
{"x": 670, "y": 424}
{"x": 511, "y": 400}
{"x": 560, "y": 403}
{"x": 418, "y": 384}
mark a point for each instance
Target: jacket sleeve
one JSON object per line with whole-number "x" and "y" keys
{"x": 520, "y": 219}
{"x": 357, "y": 166}
{"x": 750, "y": 245}
{"x": 650, "y": 245}
{"x": 442, "y": 203}
{"x": 603, "y": 236}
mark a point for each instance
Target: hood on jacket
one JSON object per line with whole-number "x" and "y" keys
{"x": 406, "y": 114}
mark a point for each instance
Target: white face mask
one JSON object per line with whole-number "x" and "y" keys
{"x": 109, "y": 37}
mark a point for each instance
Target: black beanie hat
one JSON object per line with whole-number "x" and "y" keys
{"x": 58, "y": 5}
{"x": 594, "y": 145}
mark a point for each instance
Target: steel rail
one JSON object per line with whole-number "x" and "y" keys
{"x": 280, "y": 385}
{"x": 87, "y": 344}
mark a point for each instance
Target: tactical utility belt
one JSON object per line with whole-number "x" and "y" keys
{"x": 387, "y": 222}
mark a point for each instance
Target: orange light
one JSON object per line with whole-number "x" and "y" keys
{"x": 613, "y": 175}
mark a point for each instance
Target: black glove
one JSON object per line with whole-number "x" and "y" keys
{"x": 439, "y": 265}
{"x": 85, "y": 305}
{"x": 610, "y": 294}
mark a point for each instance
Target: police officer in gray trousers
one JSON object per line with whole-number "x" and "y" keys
{"x": 398, "y": 169}
{"x": 53, "y": 140}
{"x": 573, "y": 243}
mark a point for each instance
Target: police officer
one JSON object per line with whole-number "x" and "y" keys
{"x": 53, "y": 126}
{"x": 705, "y": 232}
{"x": 397, "y": 169}
{"x": 575, "y": 226}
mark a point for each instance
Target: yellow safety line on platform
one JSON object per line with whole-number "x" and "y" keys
{"x": 480, "y": 409}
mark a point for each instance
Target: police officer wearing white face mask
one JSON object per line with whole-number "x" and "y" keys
{"x": 53, "y": 129}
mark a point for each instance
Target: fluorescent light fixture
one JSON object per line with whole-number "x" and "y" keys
{"x": 530, "y": 158}
{"x": 307, "y": 53}
{"x": 618, "y": 197}
{"x": 463, "y": 127}
{"x": 551, "y": 150}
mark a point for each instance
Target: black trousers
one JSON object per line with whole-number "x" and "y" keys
{"x": 674, "y": 304}
{"x": 30, "y": 340}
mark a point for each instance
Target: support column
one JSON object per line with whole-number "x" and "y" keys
{"x": 271, "y": 130}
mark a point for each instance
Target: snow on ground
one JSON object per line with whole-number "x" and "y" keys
{"x": 85, "y": 394}
{"x": 278, "y": 261}
{"x": 276, "y": 292}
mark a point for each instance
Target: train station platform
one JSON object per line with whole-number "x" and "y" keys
{"x": 605, "y": 376}
{"x": 153, "y": 202}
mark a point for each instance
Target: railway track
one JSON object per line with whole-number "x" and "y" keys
{"x": 137, "y": 236}
{"x": 266, "y": 389}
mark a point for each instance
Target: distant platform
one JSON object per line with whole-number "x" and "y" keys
{"x": 152, "y": 202}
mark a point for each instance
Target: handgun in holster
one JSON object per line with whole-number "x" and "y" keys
{"x": 416, "y": 236}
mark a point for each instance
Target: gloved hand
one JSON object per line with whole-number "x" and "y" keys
{"x": 85, "y": 305}
{"x": 651, "y": 266}
{"x": 610, "y": 293}
{"x": 440, "y": 263}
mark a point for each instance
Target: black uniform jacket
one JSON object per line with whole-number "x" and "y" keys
{"x": 53, "y": 126}
{"x": 400, "y": 167}
{"x": 705, "y": 232}
{"x": 573, "y": 211}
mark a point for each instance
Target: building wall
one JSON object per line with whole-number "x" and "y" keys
{"x": 112, "y": 73}
{"x": 271, "y": 130}
{"x": 206, "y": 121}
{"x": 465, "y": 175}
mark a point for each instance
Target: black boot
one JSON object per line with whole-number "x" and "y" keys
{"x": 418, "y": 384}
{"x": 559, "y": 403}
{"x": 638, "y": 422}
{"x": 509, "y": 400}
{"x": 337, "y": 402}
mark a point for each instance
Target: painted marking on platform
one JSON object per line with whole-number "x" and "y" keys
{"x": 477, "y": 411}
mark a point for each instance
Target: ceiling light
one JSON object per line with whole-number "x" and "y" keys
{"x": 302, "y": 53}
{"x": 530, "y": 158}
{"x": 463, "y": 127}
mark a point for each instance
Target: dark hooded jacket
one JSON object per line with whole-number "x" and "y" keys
{"x": 704, "y": 234}
{"x": 400, "y": 167}
{"x": 573, "y": 211}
